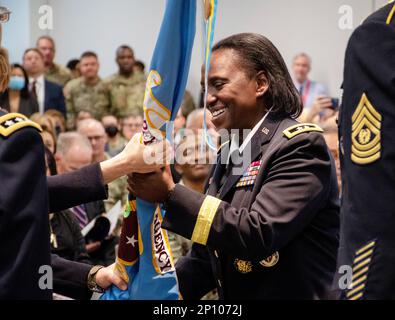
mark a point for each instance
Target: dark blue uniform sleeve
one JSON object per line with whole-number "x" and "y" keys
{"x": 24, "y": 223}
{"x": 74, "y": 188}
{"x": 71, "y": 278}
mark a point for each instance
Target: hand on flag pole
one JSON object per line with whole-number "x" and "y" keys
{"x": 153, "y": 187}
{"x": 147, "y": 158}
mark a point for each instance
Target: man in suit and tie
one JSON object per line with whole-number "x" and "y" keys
{"x": 49, "y": 95}
{"x": 74, "y": 152}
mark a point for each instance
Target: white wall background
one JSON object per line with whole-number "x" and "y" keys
{"x": 102, "y": 25}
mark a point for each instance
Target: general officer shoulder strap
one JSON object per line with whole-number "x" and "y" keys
{"x": 12, "y": 122}
{"x": 297, "y": 129}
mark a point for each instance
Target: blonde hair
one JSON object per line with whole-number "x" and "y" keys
{"x": 44, "y": 121}
{"x": 5, "y": 70}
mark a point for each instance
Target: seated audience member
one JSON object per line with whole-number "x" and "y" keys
{"x": 44, "y": 121}
{"x": 66, "y": 239}
{"x": 74, "y": 152}
{"x": 194, "y": 167}
{"x": 115, "y": 141}
{"x": 94, "y": 131}
{"x": 74, "y": 67}
{"x": 313, "y": 94}
{"x": 195, "y": 123}
{"x": 49, "y": 140}
{"x": 58, "y": 121}
{"x": 17, "y": 97}
{"x": 187, "y": 106}
{"x": 53, "y": 72}
{"x": 321, "y": 111}
{"x": 82, "y": 115}
{"x": 49, "y": 95}
{"x": 131, "y": 124}
{"x": 332, "y": 140}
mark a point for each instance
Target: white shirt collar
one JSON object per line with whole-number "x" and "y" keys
{"x": 234, "y": 144}
{"x": 39, "y": 79}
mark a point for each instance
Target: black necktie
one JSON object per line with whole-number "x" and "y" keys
{"x": 34, "y": 89}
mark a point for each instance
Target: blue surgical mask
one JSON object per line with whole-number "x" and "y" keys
{"x": 16, "y": 83}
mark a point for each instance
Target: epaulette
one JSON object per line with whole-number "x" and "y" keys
{"x": 297, "y": 129}
{"x": 391, "y": 14}
{"x": 12, "y": 122}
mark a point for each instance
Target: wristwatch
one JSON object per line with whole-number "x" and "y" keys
{"x": 92, "y": 284}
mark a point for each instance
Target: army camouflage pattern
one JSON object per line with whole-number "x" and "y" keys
{"x": 126, "y": 94}
{"x": 187, "y": 105}
{"x": 58, "y": 74}
{"x": 83, "y": 97}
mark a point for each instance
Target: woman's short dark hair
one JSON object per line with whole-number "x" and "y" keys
{"x": 257, "y": 53}
{"x": 25, "y": 90}
{"x": 72, "y": 64}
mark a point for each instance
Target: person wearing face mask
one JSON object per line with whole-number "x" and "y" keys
{"x": 17, "y": 97}
{"x": 115, "y": 141}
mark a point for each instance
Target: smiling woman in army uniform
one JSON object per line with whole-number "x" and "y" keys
{"x": 269, "y": 231}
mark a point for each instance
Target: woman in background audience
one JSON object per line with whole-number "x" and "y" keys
{"x": 17, "y": 97}
{"x": 65, "y": 238}
{"x": 131, "y": 125}
{"x": 49, "y": 140}
{"x": 44, "y": 121}
{"x": 58, "y": 120}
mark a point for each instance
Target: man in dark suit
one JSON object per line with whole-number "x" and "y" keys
{"x": 49, "y": 95}
{"x": 74, "y": 151}
{"x": 367, "y": 152}
{"x": 267, "y": 227}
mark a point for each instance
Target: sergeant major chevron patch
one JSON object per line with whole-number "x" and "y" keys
{"x": 366, "y": 133}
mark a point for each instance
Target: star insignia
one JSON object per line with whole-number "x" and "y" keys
{"x": 131, "y": 240}
{"x": 9, "y": 123}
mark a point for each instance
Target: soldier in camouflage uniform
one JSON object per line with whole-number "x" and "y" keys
{"x": 125, "y": 89}
{"x": 54, "y": 72}
{"x": 87, "y": 92}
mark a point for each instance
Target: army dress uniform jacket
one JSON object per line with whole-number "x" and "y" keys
{"x": 367, "y": 154}
{"x": 24, "y": 228}
{"x": 24, "y": 207}
{"x": 270, "y": 233}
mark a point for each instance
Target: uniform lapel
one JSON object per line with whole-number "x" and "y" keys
{"x": 253, "y": 151}
{"x": 219, "y": 171}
